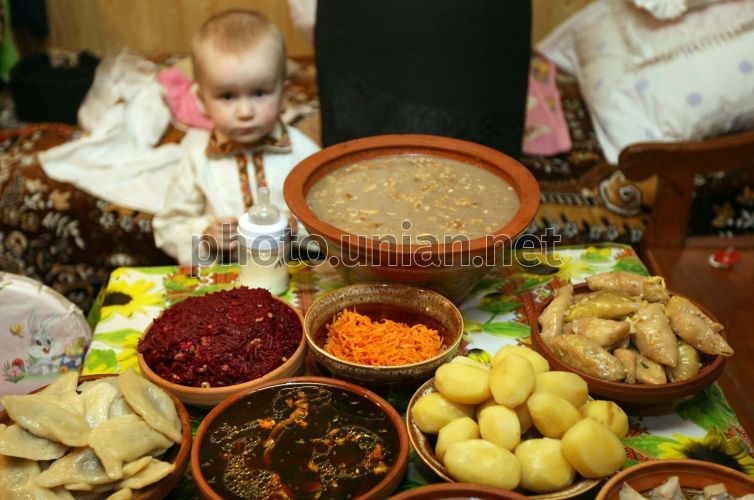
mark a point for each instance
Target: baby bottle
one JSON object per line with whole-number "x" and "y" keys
{"x": 264, "y": 236}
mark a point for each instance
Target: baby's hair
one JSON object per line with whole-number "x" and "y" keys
{"x": 235, "y": 31}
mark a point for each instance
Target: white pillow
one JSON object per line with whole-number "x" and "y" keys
{"x": 560, "y": 44}
{"x": 648, "y": 81}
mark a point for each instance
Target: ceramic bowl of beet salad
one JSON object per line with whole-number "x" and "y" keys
{"x": 206, "y": 348}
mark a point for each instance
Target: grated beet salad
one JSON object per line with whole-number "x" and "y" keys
{"x": 223, "y": 338}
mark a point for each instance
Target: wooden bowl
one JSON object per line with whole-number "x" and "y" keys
{"x": 692, "y": 474}
{"x": 258, "y": 399}
{"x": 630, "y": 394}
{"x": 457, "y": 491}
{"x": 210, "y": 396}
{"x": 409, "y": 300}
{"x": 424, "y": 444}
{"x": 449, "y": 269}
{"x": 177, "y": 454}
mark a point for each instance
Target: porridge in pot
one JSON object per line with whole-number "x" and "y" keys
{"x": 438, "y": 196}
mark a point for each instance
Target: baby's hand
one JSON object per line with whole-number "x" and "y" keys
{"x": 222, "y": 230}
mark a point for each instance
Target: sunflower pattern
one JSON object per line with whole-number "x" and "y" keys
{"x": 495, "y": 314}
{"x": 125, "y": 299}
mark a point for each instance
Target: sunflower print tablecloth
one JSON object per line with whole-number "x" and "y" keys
{"x": 702, "y": 427}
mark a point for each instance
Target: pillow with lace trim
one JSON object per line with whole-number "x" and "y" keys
{"x": 648, "y": 81}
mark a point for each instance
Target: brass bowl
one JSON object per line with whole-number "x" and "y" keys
{"x": 424, "y": 446}
{"x": 449, "y": 269}
{"x": 178, "y": 454}
{"x": 408, "y": 298}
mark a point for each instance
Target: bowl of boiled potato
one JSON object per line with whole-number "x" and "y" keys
{"x": 630, "y": 338}
{"x": 515, "y": 425}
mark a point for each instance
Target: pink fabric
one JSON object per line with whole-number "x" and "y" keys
{"x": 546, "y": 132}
{"x": 181, "y": 100}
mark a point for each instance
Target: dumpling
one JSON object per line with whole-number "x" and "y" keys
{"x": 62, "y": 385}
{"x": 17, "y": 481}
{"x": 156, "y": 470}
{"x": 152, "y": 403}
{"x": 97, "y": 401}
{"x": 131, "y": 468}
{"x": 124, "y": 439}
{"x": 64, "y": 389}
{"x": 122, "y": 494}
{"x": 15, "y": 441}
{"x": 79, "y": 466}
{"x": 45, "y": 416}
{"x": 120, "y": 407}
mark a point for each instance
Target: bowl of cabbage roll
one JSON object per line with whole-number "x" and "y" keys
{"x": 677, "y": 479}
{"x": 630, "y": 338}
{"x": 98, "y": 435}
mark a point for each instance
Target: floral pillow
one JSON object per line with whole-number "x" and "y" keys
{"x": 645, "y": 80}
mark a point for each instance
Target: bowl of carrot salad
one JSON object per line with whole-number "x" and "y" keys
{"x": 382, "y": 334}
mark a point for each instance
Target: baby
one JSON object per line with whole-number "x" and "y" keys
{"x": 239, "y": 63}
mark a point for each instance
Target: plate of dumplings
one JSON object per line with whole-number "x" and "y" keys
{"x": 96, "y": 436}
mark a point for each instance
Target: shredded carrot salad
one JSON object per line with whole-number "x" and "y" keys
{"x": 355, "y": 337}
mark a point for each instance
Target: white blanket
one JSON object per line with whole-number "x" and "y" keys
{"x": 123, "y": 117}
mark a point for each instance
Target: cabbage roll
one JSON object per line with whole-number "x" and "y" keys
{"x": 688, "y": 321}
{"x": 627, "y": 358}
{"x": 588, "y": 356}
{"x": 606, "y": 304}
{"x": 653, "y": 335}
{"x": 649, "y": 372}
{"x": 688, "y": 365}
{"x": 606, "y": 332}
{"x": 649, "y": 288}
{"x": 551, "y": 320}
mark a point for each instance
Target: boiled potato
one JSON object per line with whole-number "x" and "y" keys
{"x": 464, "y": 360}
{"x": 512, "y": 380}
{"x": 481, "y": 407}
{"x": 608, "y": 414}
{"x": 481, "y": 462}
{"x": 433, "y": 411}
{"x": 462, "y": 383}
{"x": 539, "y": 363}
{"x": 551, "y": 414}
{"x": 567, "y": 385}
{"x": 460, "y": 429}
{"x": 593, "y": 449}
{"x": 543, "y": 466}
{"x": 522, "y": 412}
{"x": 524, "y": 417}
{"x": 500, "y": 425}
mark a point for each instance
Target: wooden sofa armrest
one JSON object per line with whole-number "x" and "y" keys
{"x": 675, "y": 164}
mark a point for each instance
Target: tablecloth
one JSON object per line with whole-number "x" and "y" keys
{"x": 701, "y": 427}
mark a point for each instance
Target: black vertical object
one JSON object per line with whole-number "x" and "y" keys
{"x": 457, "y": 68}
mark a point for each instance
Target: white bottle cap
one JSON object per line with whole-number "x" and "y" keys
{"x": 264, "y": 226}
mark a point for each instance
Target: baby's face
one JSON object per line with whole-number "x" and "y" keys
{"x": 242, "y": 93}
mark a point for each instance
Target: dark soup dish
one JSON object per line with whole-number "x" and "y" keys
{"x": 307, "y": 441}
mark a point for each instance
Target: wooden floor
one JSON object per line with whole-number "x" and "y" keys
{"x": 729, "y": 295}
